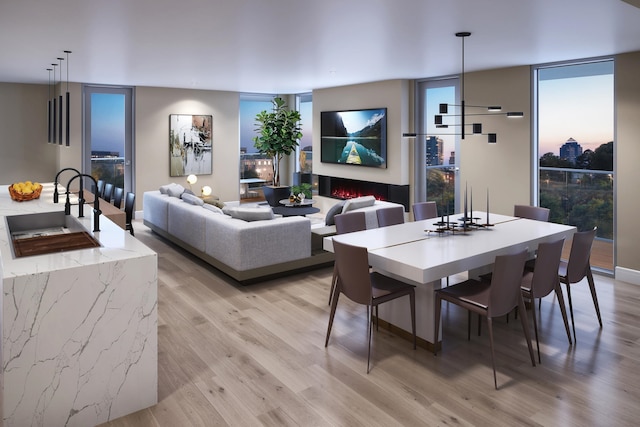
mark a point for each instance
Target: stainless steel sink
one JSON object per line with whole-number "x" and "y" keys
{"x": 47, "y": 232}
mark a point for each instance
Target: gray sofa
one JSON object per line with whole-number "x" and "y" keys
{"x": 248, "y": 251}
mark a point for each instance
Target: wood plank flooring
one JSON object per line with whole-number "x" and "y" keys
{"x": 255, "y": 356}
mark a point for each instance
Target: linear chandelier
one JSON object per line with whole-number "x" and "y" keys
{"x": 476, "y": 128}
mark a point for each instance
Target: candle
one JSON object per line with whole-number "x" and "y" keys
{"x": 471, "y": 205}
{"x": 487, "y": 205}
{"x": 465, "y": 202}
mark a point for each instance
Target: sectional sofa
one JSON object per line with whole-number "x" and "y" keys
{"x": 247, "y": 243}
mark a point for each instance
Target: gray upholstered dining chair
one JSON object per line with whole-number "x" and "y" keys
{"x": 424, "y": 210}
{"x": 390, "y": 216}
{"x": 346, "y": 223}
{"x": 544, "y": 280}
{"x": 531, "y": 212}
{"x": 489, "y": 299}
{"x": 577, "y": 267}
{"x": 361, "y": 286}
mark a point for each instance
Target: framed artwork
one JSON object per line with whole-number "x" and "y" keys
{"x": 190, "y": 138}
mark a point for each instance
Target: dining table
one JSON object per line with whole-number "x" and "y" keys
{"x": 424, "y": 252}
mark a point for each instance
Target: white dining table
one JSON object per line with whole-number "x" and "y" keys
{"x": 416, "y": 253}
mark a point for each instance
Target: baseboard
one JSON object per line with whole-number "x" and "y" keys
{"x": 628, "y": 275}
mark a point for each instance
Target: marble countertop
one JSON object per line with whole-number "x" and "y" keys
{"x": 117, "y": 244}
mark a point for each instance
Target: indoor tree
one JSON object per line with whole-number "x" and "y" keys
{"x": 278, "y": 133}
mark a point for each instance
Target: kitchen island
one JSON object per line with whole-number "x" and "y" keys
{"x": 79, "y": 327}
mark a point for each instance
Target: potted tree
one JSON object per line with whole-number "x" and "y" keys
{"x": 278, "y": 134}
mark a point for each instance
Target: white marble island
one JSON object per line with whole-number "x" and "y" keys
{"x": 79, "y": 328}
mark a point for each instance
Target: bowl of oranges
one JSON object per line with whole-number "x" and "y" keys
{"x": 23, "y": 191}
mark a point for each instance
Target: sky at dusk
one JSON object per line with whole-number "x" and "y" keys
{"x": 107, "y": 122}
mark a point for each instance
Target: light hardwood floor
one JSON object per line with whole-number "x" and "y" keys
{"x": 255, "y": 355}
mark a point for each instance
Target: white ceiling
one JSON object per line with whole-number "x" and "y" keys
{"x": 294, "y": 46}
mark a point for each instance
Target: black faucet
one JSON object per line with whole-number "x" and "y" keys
{"x": 96, "y": 202}
{"x": 55, "y": 182}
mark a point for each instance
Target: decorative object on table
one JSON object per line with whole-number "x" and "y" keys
{"x": 23, "y": 191}
{"x": 302, "y": 188}
{"x": 278, "y": 134}
{"x": 190, "y": 143}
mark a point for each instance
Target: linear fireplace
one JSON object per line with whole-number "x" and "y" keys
{"x": 344, "y": 188}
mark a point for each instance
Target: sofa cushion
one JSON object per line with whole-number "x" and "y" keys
{"x": 357, "y": 203}
{"x": 214, "y": 202}
{"x": 164, "y": 189}
{"x": 251, "y": 214}
{"x": 175, "y": 190}
{"x": 333, "y": 211}
{"x": 191, "y": 199}
{"x": 213, "y": 208}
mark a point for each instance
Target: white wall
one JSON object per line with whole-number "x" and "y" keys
{"x": 153, "y": 107}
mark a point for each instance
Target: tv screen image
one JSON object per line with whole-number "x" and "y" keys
{"x": 355, "y": 137}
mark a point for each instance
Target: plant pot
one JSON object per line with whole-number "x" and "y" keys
{"x": 273, "y": 195}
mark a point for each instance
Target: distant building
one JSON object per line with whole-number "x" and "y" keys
{"x": 570, "y": 150}
{"x": 434, "y": 151}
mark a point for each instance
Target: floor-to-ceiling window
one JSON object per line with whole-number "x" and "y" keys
{"x": 575, "y": 143}
{"x": 304, "y": 151}
{"x": 437, "y": 162}
{"x": 256, "y": 169}
{"x": 108, "y": 134}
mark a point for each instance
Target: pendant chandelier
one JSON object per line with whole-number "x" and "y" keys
{"x": 464, "y": 115}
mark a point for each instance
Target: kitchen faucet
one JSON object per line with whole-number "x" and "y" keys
{"x": 55, "y": 182}
{"x": 96, "y": 202}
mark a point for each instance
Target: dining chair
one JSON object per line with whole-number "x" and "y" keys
{"x": 531, "y": 212}
{"x": 424, "y": 210}
{"x": 129, "y": 205}
{"x": 542, "y": 281}
{"x": 361, "y": 286}
{"x": 390, "y": 216}
{"x": 100, "y": 188}
{"x": 489, "y": 299}
{"x": 108, "y": 192}
{"x": 577, "y": 267}
{"x": 118, "y": 193}
{"x": 346, "y": 223}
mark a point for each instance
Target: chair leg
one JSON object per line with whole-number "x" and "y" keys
{"x": 563, "y": 310}
{"x": 535, "y": 329}
{"x": 370, "y": 311}
{"x": 334, "y": 304}
{"x": 436, "y": 323}
{"x": 573, "y": 323}
{"x": 334, "y": 278}
{"x": 377, "y": 319}
{"x": 592, "y": 287}
{"x": 493, "y": 358}
{"x": 468, "y": 326}
{"x": 525, "y": 328}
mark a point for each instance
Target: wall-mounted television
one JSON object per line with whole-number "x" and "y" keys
{"x": 354, "y": 137}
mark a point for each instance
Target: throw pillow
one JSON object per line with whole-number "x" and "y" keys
{"x": 192, "y": 200}
{"x": 175, "y": 190}
{"x": 187, "y": 191}
{"x": 213, "y": 208}
{"x": 164, "y": 189}
{"x": 251, "y": 214}
{"x": 215, "y": 202}
{"x": 333, "y": 211}
{"x": 357, "y": 203}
